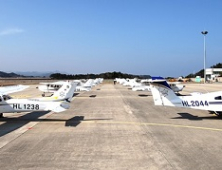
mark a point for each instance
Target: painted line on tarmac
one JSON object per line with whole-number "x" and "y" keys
{"x": 154, "y": 124}
{"x": 102, "y": 97}
{"x": 133, "y": 123}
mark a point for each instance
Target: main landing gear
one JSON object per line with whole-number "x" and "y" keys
{"x": 218, "y": 113}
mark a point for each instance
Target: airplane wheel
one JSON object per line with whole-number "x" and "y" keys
{"x": 218, "y": 113}
{"x": 43, "y": 95}
{"x": 1, "y": 115}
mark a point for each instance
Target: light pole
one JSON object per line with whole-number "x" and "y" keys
{"x": 204, "y": 33}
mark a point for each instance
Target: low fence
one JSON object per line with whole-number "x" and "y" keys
{"x": 24, "y": 81}
{"x": 15, "y": 81}
{"x": 218, "y": 79}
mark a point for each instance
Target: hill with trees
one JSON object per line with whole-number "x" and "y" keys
{"x": 107, "y": 75}
{"x": 4, "y": 75}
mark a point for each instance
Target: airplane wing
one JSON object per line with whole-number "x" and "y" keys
{"x": 12, "y": 89}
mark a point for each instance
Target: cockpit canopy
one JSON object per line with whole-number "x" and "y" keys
{"x": 4, "y": 98}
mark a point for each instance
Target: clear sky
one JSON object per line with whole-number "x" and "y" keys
{"x": 155, "y": 37}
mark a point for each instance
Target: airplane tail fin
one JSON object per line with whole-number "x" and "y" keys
{"x": 65, "y": 92}
{"x": 162, "y": 92}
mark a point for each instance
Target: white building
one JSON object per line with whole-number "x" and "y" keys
{"x": 213, "y": 73}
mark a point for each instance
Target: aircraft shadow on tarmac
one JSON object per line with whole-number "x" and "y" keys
{"x": 143, "y": 95}
{"x": 75, "y": 121}
{"x": 13, "y": 123}
{"x": 75, "y": 94}
{"x": 192, "y": 117}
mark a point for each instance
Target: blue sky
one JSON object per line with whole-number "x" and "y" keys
{"x": 155, "y": 37}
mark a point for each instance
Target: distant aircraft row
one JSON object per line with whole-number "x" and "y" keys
{"x": 144, "y": 84}
{"x": 81, "y": 85}
{"x": 164, "y": 94}
{"x": 59, "y": 101}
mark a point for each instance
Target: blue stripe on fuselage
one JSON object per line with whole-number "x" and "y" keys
{"x": 215, "y": 103}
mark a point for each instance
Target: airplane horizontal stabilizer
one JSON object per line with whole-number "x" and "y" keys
{"x": 63, "y": 106}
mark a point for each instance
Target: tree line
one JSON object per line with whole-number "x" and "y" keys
{"x": 107, "y": 75}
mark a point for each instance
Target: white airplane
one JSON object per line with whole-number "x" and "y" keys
{"x": 141, "y": 88}
{"x": 87, "y": 86}
{"x": 120, "y": 80}
{"x": 130, "y": 82}
{"x": 176, "y": 87}
{"x": 50, "y": 87}
{"x": 58, "y": 102}
{"x": 163, "y": 95}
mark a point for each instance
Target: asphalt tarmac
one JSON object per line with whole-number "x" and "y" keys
{"x": 112, "y": 127}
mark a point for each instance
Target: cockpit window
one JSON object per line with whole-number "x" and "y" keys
{"x": 5, "y": 97}
{"x": 218, "y": 98}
